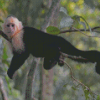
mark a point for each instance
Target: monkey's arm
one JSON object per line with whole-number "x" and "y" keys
{"x": 17, "y": 61}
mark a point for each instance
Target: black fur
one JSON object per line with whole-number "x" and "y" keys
{"x": 41, "y": 44}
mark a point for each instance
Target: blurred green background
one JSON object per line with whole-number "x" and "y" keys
{"x": 34, "y": 13}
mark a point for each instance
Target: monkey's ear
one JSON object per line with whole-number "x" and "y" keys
{"x": 20, "y": 25}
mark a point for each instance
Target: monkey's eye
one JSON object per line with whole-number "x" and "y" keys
{"x": 13, "y": 25}
{"x": 8, "y": 25}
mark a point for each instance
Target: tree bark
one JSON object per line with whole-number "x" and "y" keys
{"x": 47, "y": 76}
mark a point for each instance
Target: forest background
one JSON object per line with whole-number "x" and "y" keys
{"x": 78, "y": 21}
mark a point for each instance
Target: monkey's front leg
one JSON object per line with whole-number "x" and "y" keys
{"x": 17, "y": 61}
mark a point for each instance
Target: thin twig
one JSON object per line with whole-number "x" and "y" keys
{"x": 74, "y": 30}
{"x": 85, "y": 34}
{"x": 71, "y": 73}
{"x": 4, "y": 35}
{"x": 74, "y": 57}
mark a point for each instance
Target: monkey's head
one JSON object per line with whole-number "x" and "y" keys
{"x": 11, "y": 26}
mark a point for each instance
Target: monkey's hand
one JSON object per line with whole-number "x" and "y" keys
{"x": 10, "y": 73}
{"x": 16, "y": 63}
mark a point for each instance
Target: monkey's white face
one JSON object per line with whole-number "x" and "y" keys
{"x": 11, "y": 26}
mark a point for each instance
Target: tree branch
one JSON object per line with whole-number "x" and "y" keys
{"x": 30, "y": 79}
{"x": 50, "y": 14}
{"x": 4, "y": 94}
{"x": 4, "y": 35}
{"x": 70, "y": 30}
{"x": 75, "y": 30}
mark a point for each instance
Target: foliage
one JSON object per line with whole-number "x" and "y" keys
{"x": 74, "y": 13}
{"x": 52, "y": 30}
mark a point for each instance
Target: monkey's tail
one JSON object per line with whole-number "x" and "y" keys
{"x": 82, "y": 56}
{"x": 69, "y": 49}
{"x": 89, "y": 56}
{"x": 78, "y": 59}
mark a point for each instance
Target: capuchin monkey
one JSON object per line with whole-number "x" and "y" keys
{"x": 27, "y": 40}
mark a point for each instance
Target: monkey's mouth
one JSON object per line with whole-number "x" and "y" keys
{"x": 9, "y": 32}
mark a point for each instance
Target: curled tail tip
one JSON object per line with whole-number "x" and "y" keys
{"x": 97, "y": 68}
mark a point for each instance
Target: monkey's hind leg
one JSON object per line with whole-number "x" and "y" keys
{"x": 51, "y": 58}
{"x": 49, "y": 63}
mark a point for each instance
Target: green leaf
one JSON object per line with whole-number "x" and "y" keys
{"x": 74, "y": 88}
{"x": 78, "y": 66}
{"x": 52, "y": 30}
{"x": 5, "y": 62}
{"x": 84, "y": 25}
{"x": 5, "y": 54}
{"x": 98, "y": 97}
{"x": 65, "y": 85}
{"x": 66, "y": 22}
{"x": 62, "y": 9}
{"x": 1, "y": 21}
{"x": 78, "y": 18}
{"x": 86, "y": 92}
